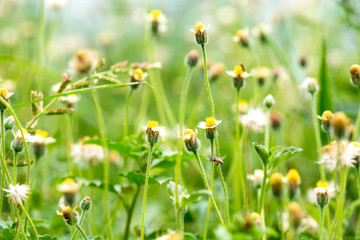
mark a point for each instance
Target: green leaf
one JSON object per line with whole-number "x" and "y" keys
{"x": 47, "y": 237}
{"x": 262, "y": 152}
{"x": 139, "y": 178}
{"x": 194, "y": 197}
{"x": 279, "y": 157}
{"x": 325, "y": 101}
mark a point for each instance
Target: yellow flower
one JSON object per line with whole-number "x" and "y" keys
{"x": 152, "y": 132}
{"x": 210, "y": 122}
{"x": 200, "y": 34}
{"x": 239, "y": 69}
{"x": 188, "y": 134}
{"x": 155, "y": 14}
{"x": 152, "y": 124}
{"x": 276, "y": 183}
{"x": 254, "y": 216}
{"x": 199, "y": 28}
{"x": 293, "y": 178}
{"x": 339, "y": 123}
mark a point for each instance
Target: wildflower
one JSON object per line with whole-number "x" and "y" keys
{"x": 216, "y": 71}
{"x": 200, "y": 32}
{"x": 322, "y": 194}
{"x": 326, "y": 118}
{"x": 310, "y": 85}
{"x": 269, "y": 101}
{"x": 152, "y": 132}
{"x": 276, "y": 183}
{"x": 256, "y": 178}
{"x": 339, "y": 123}
{"x": 5, "y": 94}
{"x": 158, "y": 22}
{"x": 192, "y": 59}
{"x": 210, "y": 125}
{"x": 71, "y": 217}
{"x": 17, "y": 145}
{"x": 293, "y": 180}
{"x": 242, "y": 37}
{"x": 239, "y": 76}
{"x": 355, "y": 75}
{"x": 39, "y": 140}
{"x": 84, "y": 61}
{"x": 255, "y": 120}
{"x": 261, "y": 31}
{"x": 296, "y": 213}
{"x": 70, "y": 100}
{"x": 348, "y": 154}
{"x": 56, "y": 4}
{"x": 137, "y": 76}
{"x": 9, "y": 123}
{"x": 69, "y": 188}
{"x": 261, "y": 74}
{"x": 256, "y": 218}
{"x": 17, "y": 194}
{"x": 302, "y": 61}
{"x": 87, "y": 153}
{"x": 86, "y": 203}
{"x": 275, "y": 120}
{"x": 192, "y": 143}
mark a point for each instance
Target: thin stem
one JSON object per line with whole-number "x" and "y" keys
{"x": 227, "y": 213}
{"x": 357, "y": 124}
{"x": 145, "y": 190}
{"x": 260, "y": 208}
{"x": 317, "y": 135}
{"x": 203, "y": 175}
{"x": 3, "y": 154}
{"x": 20, "y": 224}
{"x": 130, "y": 213}
{"x": 82, "y": 216}
{"x": 69, "y": 121}
{"x": 15, "y": 166}
{"x": 182, "y": 107}
{"x": 101, "y": 124}
{"x": 126, "y": 120}
{"x": 207, "y": 81}
{"x": 358, "y": 185}
{"x": 211, "y": 189}
{"x": 30, "y": 221}
{"x": 82, "y": 231}
{"x": 267, "y": 132}
{"x": 321, "y": 223}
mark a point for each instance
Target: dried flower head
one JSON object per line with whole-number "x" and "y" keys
{"x": 339, "y": 124}
{"x": 17, "y": 194}
{"x": 242, "y": 37}
{"x": 192, "y": 143}
{"x": 348, "y": 154}
{"x": 326, "y": 118}
{"x": 200, "y": 32}
{"x": 210, "y": 125}
{"x": 84, "y": 61}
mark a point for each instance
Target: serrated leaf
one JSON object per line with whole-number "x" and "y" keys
{"x": 279, "y": 157}
{"x": 262, "y": 152}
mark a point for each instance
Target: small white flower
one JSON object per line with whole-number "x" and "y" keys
{"x": 255, "y": 120}
{"x": 349, "y": 152}
{"x": 41, "y": 137}
{"x": 257, "y": 177}
{"x": 87, "y": 153}
{"x": 18, "y": 193}
{"x": 310, "y": 85}
{"x": 209, "y": 123}
{"x": 27, "y": 135}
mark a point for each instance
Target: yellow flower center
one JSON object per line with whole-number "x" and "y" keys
{"x": 155, "y": 14}
{"x": 239, "y": 69}
{"x": 68, "y": 181}
{"x": 293, "y": 176}
{"x": 42, "y": 133}
{"x": 327, "y": 115}
{"x": 138, "y": 74}
{"x": 3, "y": 92}
{"x": 199, "y": 27}
{"x": 152, "y": 124}
{"x": 276, "y": 179}
{"x": 355, "y": 68}
{"x": 188, "y": 133}
{"x": 210, "y": 122}
{"x": 321, "y": 184}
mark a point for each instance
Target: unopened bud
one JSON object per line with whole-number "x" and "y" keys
{"x": 269, "y": 101}
{"x": 192, "y": 143}
{"x": 355, "y": 75}
{"x": 201, "y": 36}
{"x": 275, "y": 120}
{"x": 302, "y": 61}
{"x": 152, "y": 132}
{"x": 9, "y": 123}
{"x": 276, "y": 183}
{"x": 340, "y": 122}
{"x": 192, "y": 59}
{"x": 17, "y": 145}
{"x": 86, "y": 203}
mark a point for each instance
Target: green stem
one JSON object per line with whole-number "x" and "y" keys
{"x": 182, "y": 107}
{"x": 20, "y": 224}
{"x": 317, "y": 135}
{"x": 15, "y": 166}
{"x": 358, "y": 185}
{"x": 146, "y": 190}
{"x": 40, "y": 40}
{"x": 30, "y": 222}
{"x": 130, "y": 213}
{"x": 321, "y": 223}
{"x": 2, "y": 155}
{"x": 260, "y": 208}
{"x": 82, "y": 216}
{"x": 207, "y": 81}
{"x": 203, "y": 175}
{"x": 101, "y": 124}
{"x": 225, "y": 194}
{"x": 211, "y": 189}
{"x": 82, "y": 231}
{"x": 126, "y": 120}
{"x": 69, "y": 121}
{"x": 357, "y": 124}
{"x": 267, "y": 132}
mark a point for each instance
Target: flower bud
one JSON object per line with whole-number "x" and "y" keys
{"x": 326, "y": 118}
{"x": 339, "y": 124}
{"x": 275, "y": 120}
{"x": 86, "y": 203}
{"x": 192, "y": 59}
{"x": 242, "y": 37}
{"x": 302, "y": 61}
{"x": 201, "y": 36}
{"x": 4, "y": 94}
{"x": 293, "y": 180}
{"x": 322, "y": 194}
{"x": 355, "y": 75}
{"x": 9, "y": 123}
{"x": 216, "y": 71}
{"x": 152, "y": 132}
{"x": 269, "y": 101}
{"x": 17, "y": 145}
{"x": 276, "y": 184}
{"x": 192, "y": 143}
{"x": 296, "y": 213}
{"x": 256, "y": 218}
{"x": 310, "y": 85}
{"x": 262, "y": 74}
